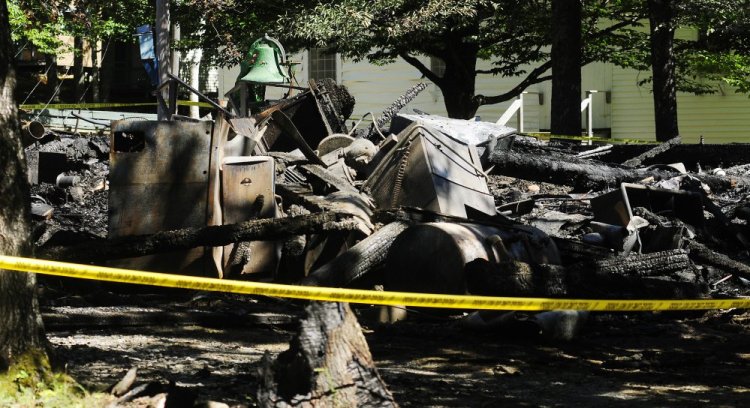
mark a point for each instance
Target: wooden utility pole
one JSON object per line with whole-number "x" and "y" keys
{"x": 162, "y": 29}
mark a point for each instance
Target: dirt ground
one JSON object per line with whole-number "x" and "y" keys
{"x": 644, "y": 359}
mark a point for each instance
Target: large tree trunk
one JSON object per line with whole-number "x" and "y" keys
{"x": 328, "y": 364}
{"x": 459, "y": 80}
{"x": 566, "y": 67}
{"x": 458, "y": 95}
{"x": 21, "y": 330}
{"x": 662, "y": 21}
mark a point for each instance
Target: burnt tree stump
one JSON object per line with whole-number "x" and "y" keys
{"x": 328, "y": 364}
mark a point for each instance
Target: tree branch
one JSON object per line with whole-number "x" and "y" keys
{"x": 422, "y": 68}
{"x": 613, "y": 28}
{"x": 534, "y": 77}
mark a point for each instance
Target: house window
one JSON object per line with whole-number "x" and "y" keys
{"x": 321, "y": 64}
{"x": 437, "y": 66}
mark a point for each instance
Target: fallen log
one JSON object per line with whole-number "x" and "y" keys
{"x": 187, "y": 238}
{"x": 328, "y": 364}
{"x": 366, "y": 256}
{"x": 647, "y": 276}
{"x": 704, "y": 255}
{"x": 558, "y": 168}
{"x": 654, "y": 264}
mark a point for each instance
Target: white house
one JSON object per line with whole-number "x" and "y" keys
{"x": 621, "y": 108}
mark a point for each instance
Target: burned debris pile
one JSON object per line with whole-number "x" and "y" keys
{"x": 411, "y": 202}
{"x": 298, "y": 193}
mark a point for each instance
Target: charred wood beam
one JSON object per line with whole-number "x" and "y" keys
{"x": 648, "y": 275}
{"x": 187, "y": 238}
{"x": 651, "y": 153}
{"x": 704, "y": 255}
{"x": 583, "y": 174}
{"x": 708, "y": 155}
{"x": 363, "y": 258}
{"x": 653, "y": 264}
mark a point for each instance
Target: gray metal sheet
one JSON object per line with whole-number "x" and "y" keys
{"x": 466, "y": 131}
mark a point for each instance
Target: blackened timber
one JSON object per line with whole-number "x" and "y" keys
{"x": 654, "y": 264}
{"x": 704, "y": 255}
{"x": 365, "y": 257}
{"x": 263, "y": 229}
{"x": 647, "y": 275}
{"x": 690, "y": 154}
{"x": 583, "y": 174}
{"x": 651, "y": 153}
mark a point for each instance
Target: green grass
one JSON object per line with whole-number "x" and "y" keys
{"x": 31, "y": 382}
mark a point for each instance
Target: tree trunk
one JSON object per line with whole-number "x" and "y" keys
{"x": 459, "y": 80}
{"x": 107, "y": 75}
{"x": 662, "y": 20}
{"x": 52, "y": 81}
{"x": 566, "y": 67}
{"x": 458, "y": 95}
{"x": 21, "y": 330}
{"x": 95, "y": 69}
{"x": 78, "y": 72}
{"x": 328, "y": 364}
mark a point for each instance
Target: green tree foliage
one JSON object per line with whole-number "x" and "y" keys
{"x": 225, "y": 29}
{"x": 515, "y": 37}
{"x": 100, "y": 19}
{"x": 719, "y": 57}
{"x": 42, "y": 23}
{"x": 40, "y": 27}
{"x": 512, "y": 35}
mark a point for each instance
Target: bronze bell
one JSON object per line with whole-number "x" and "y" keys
{"x": 266, "y": 68}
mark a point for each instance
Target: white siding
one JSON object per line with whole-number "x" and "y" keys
{"x": 720, "y": 118}
{"x": 376, "y": 87}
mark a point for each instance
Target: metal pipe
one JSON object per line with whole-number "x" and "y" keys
{"x": 32, "y": 131}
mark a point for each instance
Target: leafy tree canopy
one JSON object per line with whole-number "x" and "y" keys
{"x": 512, "y": 35}
{"x": 43, "y": 22}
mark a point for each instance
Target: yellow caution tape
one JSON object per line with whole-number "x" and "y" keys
{"x": 547, "y": 136}
{"x": 192, "y": 103}
{"x": 40, "y": 106}
{"x": 353, "y": 295}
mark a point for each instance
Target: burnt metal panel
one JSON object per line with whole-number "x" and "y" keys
{"x": 430, "y": 170}
{"x": 616, "y": 206}
{"x": 248, "y": 192}
{"x": 159, "y": 178}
